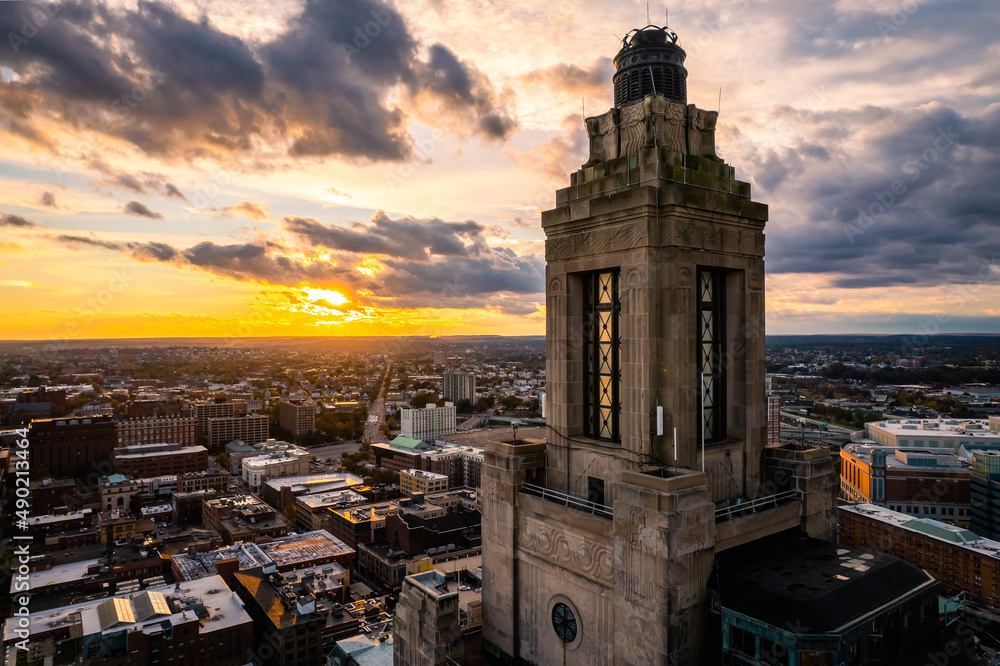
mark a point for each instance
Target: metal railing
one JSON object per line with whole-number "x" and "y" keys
{"x": 753, "y": 506}
{"x": 568, "y": 500}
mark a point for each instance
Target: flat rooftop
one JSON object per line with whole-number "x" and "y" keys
{"x": 58, "y": 575}
{"x": 317, "y": 501}
{"x": 194, "y": 566}
{"x": 919, "y": 459}
{"x": 943, "y": 428}
{"x": 825, "y": 588}
{"x": 312, "y": 483}
{"x": 224, "y": 609}
{"x": 295, "y": 549}
{"x": 935, "y": 529}
{"x": 430, "y": 476}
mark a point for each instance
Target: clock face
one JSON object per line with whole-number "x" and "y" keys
{"x": 564, "y": 622}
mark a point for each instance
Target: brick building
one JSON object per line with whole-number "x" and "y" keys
{"x": 183, "y": 430}
{"x": 297, "y": 416}
{"x": 198, "y": 623}
{"x": 146, "y": 460}
{"x": 920, "y": 482}
{"x": 64, "y": 447}
{"x": 252, "y": 428}
{"x": 959, "y": 558}
{"x": 47, "y": 494}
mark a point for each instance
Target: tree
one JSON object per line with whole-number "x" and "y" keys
{"x": 464, "y": 406}
{"x": 290, "y": 513}
{"x": 421, "y": 399}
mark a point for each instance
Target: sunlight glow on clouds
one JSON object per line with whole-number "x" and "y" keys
{"x": 262, "y": 159}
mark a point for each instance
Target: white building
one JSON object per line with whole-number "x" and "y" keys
{"x": 932, "y": 433}
{"x": 429, "y": 423}
{"x": 289, "y": 461}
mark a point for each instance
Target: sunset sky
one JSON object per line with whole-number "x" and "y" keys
{"x": 347, "y": 167}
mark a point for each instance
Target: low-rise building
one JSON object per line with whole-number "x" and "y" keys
{"x": 203, "y": 480}
{"x": 932, "y": 433}
{"x": 287, "y": 461}
{"x": 118, "y": 491}
{"x": 281, "y": 492}
{"x": 198, "y": 623}
{"x": 920, "y": 482}
{"x": 961, "y": 559}
{"x": 243, "y": 518}
{"x": 47, "y": 494}
{"x": 849, "y": 605}
{"x": 145, "y": 460}
{"x": 419, "y": 482}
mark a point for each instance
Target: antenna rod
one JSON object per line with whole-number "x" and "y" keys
{"x": 647, "y": 13}
{"x": 720, "y": 100}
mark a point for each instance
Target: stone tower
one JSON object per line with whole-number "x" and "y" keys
{"x": 598, "y": 542}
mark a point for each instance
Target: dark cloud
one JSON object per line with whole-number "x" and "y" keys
{"x": 425, "y": 262}
{"x": 7, "y": 220}
{"x": 140, "y": 209}
{"x": 459, "y": 89}
{"x": 901, "y": 198}
{"x": 48, "y": 199}
{"x": 183, "y": 88}
{"x": 242, "y": 261}
{"x": 405, "y": 237}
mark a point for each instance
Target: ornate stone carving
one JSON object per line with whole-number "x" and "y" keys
{"x": 601, "y": 241}
{"x": 603, "y": 134}
{"x": 556, "y": 286}
{"x": 653, "y": 122}
{"x": 560, "y": 546}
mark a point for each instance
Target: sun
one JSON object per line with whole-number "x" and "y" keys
{"x": 331, "y": 297}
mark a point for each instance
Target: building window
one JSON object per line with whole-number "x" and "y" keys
{"x": 711, "y": 369}
{"x": 564, "y": 622}
{"x": 602, "y": 362}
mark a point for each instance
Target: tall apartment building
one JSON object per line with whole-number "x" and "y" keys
{"x": 297, "y": 416}
{"x": 202, "y": 410}
{"x": 428, "y": 423}
{"x": 147, "y": 460}
{"x": 253, "y": 428}
{"x": 773, "y": 420}
{"x": 180, "y": 429}
{"x": 64, "y": 446}
{"x": 458, "y": 385}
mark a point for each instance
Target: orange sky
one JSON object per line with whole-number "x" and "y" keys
{"x": 286, "y": 176}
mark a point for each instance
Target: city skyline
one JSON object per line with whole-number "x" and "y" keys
{"x": 356, "y": 168}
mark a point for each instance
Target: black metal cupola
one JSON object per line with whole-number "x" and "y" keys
{"x": 650, "y": 63}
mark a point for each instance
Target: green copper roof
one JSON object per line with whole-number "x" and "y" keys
{"x": 941, "y": 531}
{"x": 407, "y": 443}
